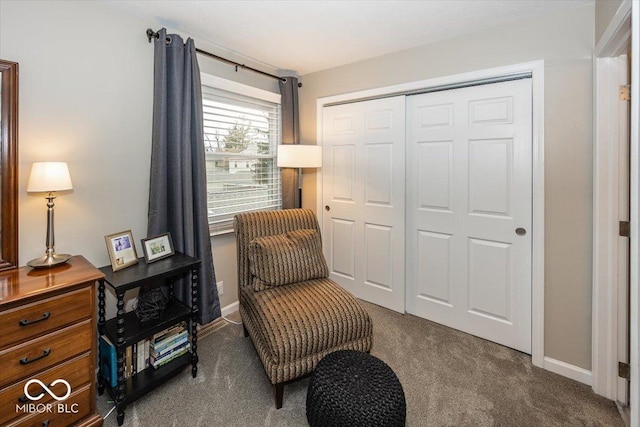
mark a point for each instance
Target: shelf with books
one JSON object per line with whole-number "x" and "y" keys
{"x": 135, "y": 330}
{"x": 146, "y": 358}
{"x": 162, "y": 347}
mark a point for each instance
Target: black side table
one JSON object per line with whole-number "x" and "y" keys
{"x": 126, "y": 329}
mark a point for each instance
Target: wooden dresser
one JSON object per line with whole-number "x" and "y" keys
{"x": 48, "y": 337}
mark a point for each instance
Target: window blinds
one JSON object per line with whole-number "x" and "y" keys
{"x": 241, "y": 134}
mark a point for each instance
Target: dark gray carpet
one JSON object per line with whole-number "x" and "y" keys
{"x": 449, "y": 379}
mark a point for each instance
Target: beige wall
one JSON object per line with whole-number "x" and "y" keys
{"x": 605, "y": 10}
{"x": 565, "y": 41}
{"x": 86, "y": 80}
{"x": 86, "y": 98}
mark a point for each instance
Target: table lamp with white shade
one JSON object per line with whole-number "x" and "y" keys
{"x": 49, "y": 177}
{"x": 299, "y": 156}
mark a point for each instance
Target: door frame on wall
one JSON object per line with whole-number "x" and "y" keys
{"x": 606, "y": 124}
{"x": 634, "y": 305}
{"x": 616, "y": 36}
{"x": 536, "y": 69}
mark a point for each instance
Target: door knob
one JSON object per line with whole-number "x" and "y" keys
{"x": 327, "y": 208}
{"x": 521, "y": 231}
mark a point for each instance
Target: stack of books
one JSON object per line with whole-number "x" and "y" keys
{"x": 136, "y": 358}
{"x": 168, "y": 345}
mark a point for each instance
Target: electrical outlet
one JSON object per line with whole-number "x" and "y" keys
{"x": 220, "y": 286}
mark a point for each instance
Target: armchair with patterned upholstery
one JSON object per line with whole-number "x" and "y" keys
{"x": 294, "y": 314}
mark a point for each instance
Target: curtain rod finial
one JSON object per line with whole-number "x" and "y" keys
{"x": 151, "y": 34}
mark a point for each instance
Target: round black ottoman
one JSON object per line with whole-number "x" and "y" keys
{"x": 352, "y": 388}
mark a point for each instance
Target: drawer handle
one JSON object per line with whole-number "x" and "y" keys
{"x": 45, "y": 316}
{"x": 26, "y": 360}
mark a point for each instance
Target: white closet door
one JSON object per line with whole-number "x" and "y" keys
{"x": 469, "y": 210}
{"x": 364, "y": 198}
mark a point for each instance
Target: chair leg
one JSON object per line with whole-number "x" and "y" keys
{"x": 246, "y": 333}
{"x": 278, "y": 393}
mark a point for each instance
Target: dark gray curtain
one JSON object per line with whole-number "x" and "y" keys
{"x": 290, "y": 135}
{"x": 178, "y": 188}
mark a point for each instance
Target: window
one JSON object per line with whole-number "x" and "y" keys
{"x": 241, "y": 135}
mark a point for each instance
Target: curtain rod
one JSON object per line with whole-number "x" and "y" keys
{"x": 152, "y": 34}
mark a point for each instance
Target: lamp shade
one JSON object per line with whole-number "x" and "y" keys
{"x": 299, "y": 156}
{"x": 49, "y": 176}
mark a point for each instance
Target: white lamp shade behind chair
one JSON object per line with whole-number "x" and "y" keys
{"x": 299, "y": 156}
{"x": 49, "y": 177}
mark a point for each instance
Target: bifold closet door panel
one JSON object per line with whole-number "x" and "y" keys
{"x": 364, "y": 198}
{"x": 469, "y": 210}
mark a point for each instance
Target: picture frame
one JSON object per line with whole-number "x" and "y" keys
{"x": 122, "y": 249}
{"x": 157, "y": 247}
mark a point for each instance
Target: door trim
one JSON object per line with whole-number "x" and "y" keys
{"x": 635, "y": 215}
{"x": 536, "y": 68}
{"x": 604, "y": 349}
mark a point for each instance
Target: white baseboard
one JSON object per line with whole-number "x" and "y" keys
{"x": 567, "y": 370}
{"x": 625, "y": 413}
{"x": 231, "y": 308}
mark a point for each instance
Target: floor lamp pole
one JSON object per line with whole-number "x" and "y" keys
{"x": 299, "y": 188}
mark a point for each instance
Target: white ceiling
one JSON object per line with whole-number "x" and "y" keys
{"x": 307, "y": 35}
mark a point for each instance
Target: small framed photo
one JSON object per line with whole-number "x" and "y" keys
{"x": 157, "y": 247}
{"x": 122, "y": 250}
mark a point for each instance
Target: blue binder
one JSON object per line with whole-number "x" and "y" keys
{"x": 108, "y": 361}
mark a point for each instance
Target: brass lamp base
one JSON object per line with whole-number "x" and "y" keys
{"x": 49, "y": 260}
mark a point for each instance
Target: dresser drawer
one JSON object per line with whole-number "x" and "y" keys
{"x": 28, "y": 321}
{"x": 61, "y": 414}
{"x": 24, "y": 359}
{"x": 77, "y": 372}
